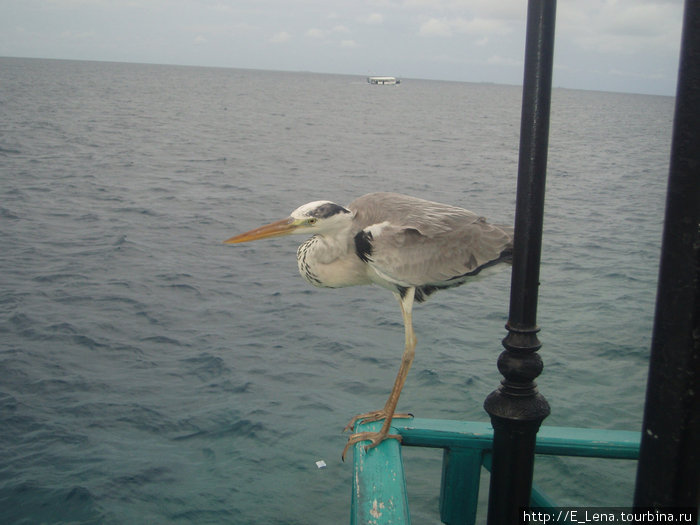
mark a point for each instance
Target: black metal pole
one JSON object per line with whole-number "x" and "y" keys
{"x": 516, "y": 408}
{"x": 669, "y": 457}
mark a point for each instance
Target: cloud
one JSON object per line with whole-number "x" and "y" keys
{"x": 72, "y": 35}
{"x": 435, "y": 27}
{"x": 446, "y": 27}
{"x": 375, "y": 19}
{"x": 280, "y": 38}
{"x": 634, "y": 74}
{"x": 626, "y": 27}
{"x": 348, "y": 44}
{"x": 424, "y": 4}
{"x": 222, "y": 8}
{"x": 497, "y": 60}
{"x": 483, "y": 26}
{"x": 71, "y": 4}
{"x": 501, "y": 9}
{"x": 316, "y": 33}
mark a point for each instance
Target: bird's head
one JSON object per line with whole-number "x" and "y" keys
{"x": 314, "y": 218}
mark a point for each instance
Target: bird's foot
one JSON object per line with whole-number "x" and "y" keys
{"x": 369, "y": 417}
{"x": 375, "y": 438}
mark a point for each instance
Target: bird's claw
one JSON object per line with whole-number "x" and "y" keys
{"x": 375, "y": 439}
{"x": 369, "y": 417}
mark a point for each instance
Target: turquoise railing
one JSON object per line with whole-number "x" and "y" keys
{"x": 379, "y": 486}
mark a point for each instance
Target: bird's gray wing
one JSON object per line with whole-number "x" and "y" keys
{"x": 408, "y": 258}
{"x": 414, "y": 242}
{"x": 402, "y": 211}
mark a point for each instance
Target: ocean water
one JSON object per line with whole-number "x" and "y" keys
{"x": 151, "y": 374}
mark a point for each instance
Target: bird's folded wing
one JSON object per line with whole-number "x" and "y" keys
{"x": 415, "y": 256}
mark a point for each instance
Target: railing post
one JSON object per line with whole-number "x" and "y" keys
{"x": 516, "y": 408}
{"x": 667, "y": 474}
{"x": 459, "y": 489}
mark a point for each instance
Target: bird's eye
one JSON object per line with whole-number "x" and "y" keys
{"x": 313, "y": 220}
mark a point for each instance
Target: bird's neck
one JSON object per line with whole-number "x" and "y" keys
{"x": 326, "y": 262}
{"x": 325, "y": 249}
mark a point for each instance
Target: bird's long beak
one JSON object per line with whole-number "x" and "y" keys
{"x": 275, "y": 229}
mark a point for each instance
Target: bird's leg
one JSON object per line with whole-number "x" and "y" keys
{"x": 387, "y": 413}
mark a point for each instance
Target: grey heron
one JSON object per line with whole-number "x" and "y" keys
{"x": 410, "y": 246}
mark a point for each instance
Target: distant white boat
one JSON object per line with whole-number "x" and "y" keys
{"x": 383, "y": 81}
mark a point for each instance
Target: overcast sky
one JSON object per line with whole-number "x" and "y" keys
{"x": 611, "y": 45}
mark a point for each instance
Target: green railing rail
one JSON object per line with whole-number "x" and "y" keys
{"x": 379, "y": 486}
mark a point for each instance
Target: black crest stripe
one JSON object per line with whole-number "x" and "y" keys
{"x": 327, "y": 210}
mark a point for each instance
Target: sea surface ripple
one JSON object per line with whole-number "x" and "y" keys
{"x": 151, "y": 374}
